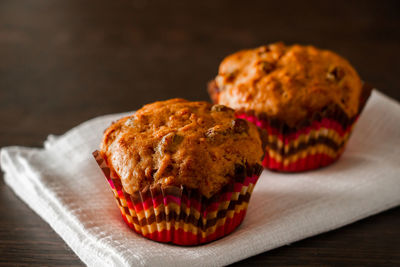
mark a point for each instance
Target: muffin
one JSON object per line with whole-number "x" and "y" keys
{"x": 306, "y": 99}
{"x": 182, "y": 172}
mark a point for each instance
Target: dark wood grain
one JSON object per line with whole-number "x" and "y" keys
{"x": 63, "y": 62}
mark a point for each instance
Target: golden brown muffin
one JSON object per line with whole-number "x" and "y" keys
{"x": 177, "y": 142}
{"x": 289, "y": 83}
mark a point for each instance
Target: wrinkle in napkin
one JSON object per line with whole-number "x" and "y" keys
{"x": 63, "y": 184}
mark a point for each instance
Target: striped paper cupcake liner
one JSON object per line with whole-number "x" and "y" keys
{"x": 180, "y": 215}
{"x": 315, "y": 143}
{"x": 309, "y": 148}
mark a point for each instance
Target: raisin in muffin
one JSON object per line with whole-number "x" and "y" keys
{"x": 306, "y": 98}
{"x": 190, "y": 166}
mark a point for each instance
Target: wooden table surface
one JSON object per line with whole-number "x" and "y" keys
{"x": 63, "y": 62}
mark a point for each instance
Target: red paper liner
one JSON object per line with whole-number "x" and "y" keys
{"x": 313, "y": 143}
{"x": 180, "y": 215}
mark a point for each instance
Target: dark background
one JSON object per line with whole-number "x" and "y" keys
{"x": 63, "y": 62}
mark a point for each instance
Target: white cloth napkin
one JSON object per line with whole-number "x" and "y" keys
{"x": 64, "y": 185}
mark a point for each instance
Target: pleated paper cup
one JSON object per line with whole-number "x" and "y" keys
{"x": 316, "y": 142}
{"x": 180, "y": 215}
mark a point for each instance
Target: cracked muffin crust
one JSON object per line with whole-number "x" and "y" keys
{"x": 177, "y": 142}
{"x": 289, "y": 83}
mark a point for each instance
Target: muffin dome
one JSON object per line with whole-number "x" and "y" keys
{"x": 287, "y": 82}
{"x": 177, "y": 142}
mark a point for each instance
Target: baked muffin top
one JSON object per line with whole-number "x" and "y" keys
{"x": 287, "y": 82}
{"x": 177, "y": 142}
